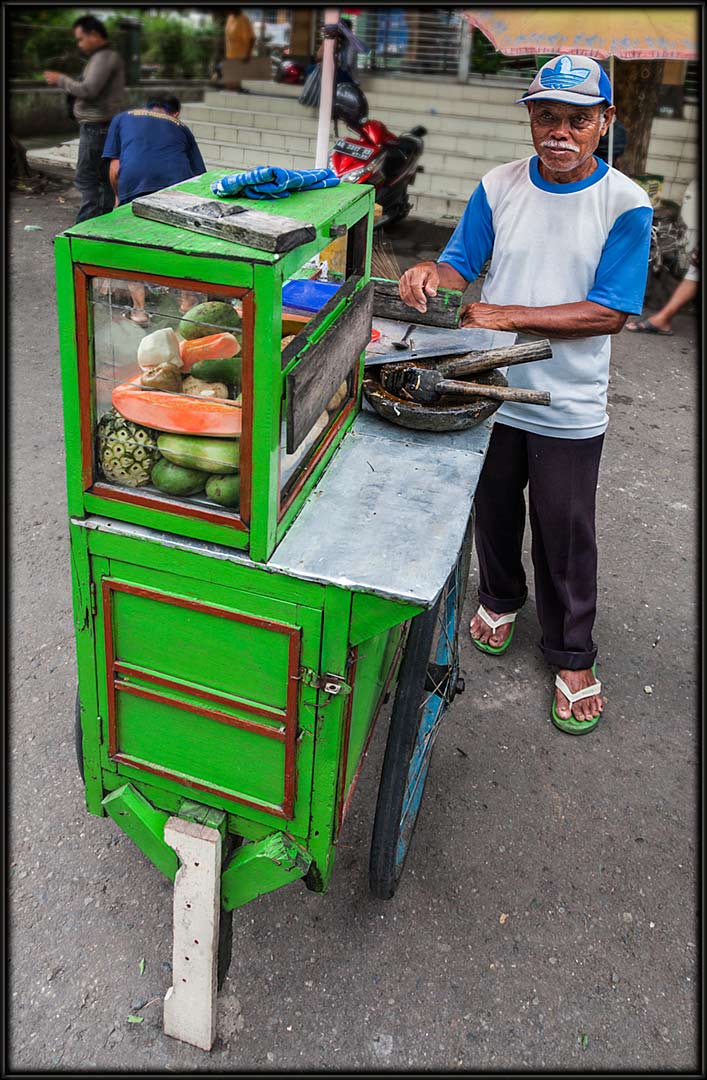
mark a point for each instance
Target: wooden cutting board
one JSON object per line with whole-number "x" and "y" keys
{"x": 252, "y": 228}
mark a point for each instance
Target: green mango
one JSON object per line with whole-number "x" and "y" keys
{"x": 209, "y": 318}
{"x": 225, "y": 490}
{"x": 176, "y": 480}
{"x": 201, "y": 452}
{"x": 223, "y": 371}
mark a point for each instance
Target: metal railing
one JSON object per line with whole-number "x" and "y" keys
{"x": 409, "y": 41}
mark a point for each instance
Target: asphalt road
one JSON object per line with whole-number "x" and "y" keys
{"x": 547, "y": 917}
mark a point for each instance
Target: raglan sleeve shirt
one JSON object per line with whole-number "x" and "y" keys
{"x": 551, "y": 245}
{"x": 620, "y": 281}
{"x": 621, "y": 274}
{"x": 471, "y": 243}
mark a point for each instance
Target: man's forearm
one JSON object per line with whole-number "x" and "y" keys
{"x": 95, "y": 77}
{"x": 583, "y": 319}
{"x": 113, "y": 170}
{"x": 449, "y": 278}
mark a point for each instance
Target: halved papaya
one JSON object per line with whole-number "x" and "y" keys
{"x": 179, "y": 414}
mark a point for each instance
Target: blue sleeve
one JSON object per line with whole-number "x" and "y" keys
{"x": 195, "y": 159}
{"x": 620, "y": 280}
{"x": 471, "y": 243}
{"x": 111, "y": 147}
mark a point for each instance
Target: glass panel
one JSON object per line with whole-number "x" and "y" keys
{"x": 167, "y": 365}
{"x": 303, "y": 296}
{"x": 293, "y": 466}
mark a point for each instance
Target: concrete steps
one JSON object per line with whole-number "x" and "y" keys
{"x": 471, "y": 128}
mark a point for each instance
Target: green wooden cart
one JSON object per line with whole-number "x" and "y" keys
{"x": 256, "y": 563}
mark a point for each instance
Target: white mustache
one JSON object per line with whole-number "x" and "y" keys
{"x": 552, "y": 145}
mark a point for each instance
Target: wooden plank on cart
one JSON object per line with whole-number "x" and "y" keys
{"x": 444, "y": 309}
{"x": 324, "y": 366}
{"x": 227, "y": 221}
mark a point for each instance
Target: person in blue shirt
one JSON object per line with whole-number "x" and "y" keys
{"x": 150, "y": 149}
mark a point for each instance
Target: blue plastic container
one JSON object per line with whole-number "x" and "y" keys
{"x": 303, "y": 294}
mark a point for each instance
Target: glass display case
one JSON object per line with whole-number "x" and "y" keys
{"x": 206, "y": 396}
{"x": 167, "y": 361}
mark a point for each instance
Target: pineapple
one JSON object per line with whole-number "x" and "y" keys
{"x": 126, "y": 451}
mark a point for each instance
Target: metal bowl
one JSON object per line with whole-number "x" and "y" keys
{"x": 444, "y": 416}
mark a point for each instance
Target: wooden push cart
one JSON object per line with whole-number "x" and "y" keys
{"x": 255, "y": 568}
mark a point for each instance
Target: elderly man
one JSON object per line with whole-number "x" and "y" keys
{"x": 568, "y": 238}
{"x": 99, "y": 97}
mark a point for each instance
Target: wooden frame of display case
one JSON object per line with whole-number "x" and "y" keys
{"x": 82, "y": 275}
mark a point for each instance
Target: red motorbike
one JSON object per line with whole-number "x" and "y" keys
{"x": 288, "y": 69}
{"x": 376, "y": 156}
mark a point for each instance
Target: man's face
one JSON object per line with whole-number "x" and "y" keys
{"x": 565, "y": 136}
{"x": 87, "y": 43}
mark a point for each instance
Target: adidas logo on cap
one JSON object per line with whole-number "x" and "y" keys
{"x": 576, "y": 80}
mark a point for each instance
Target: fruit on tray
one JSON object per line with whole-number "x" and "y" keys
{"x": 227, "y": 370}
{"x": 208, "y": 455}
{"x": 199, "y": 388}
{"x": 162, "y": 377}
{"x": 159, "y": 347}
{"x": 176, "y": 480}
{"x": 205, "y": 319}
{"x": 225, "y": 490}
{"x": 127, "y": 452}
{"x": 177, "y": 413}
{"x": 213, "y": 347}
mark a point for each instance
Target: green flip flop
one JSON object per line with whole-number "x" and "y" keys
{"x": 502, "y": 620}
{"x": 570, "y": 725}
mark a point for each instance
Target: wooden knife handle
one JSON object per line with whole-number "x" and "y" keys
{"x": 497, "y": 393}
{"x": 474, "y": 363}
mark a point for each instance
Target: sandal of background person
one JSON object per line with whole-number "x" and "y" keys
{"x": 502, "y": 620}
{"x": 645, "y": 326}
{"x": 571, "y": 725}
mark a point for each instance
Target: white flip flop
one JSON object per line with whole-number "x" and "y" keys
{"x": 571, "y": 725}
{"x": 502, "y": 620}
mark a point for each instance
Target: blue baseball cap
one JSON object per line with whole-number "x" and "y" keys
{"x": 576, "y": 80}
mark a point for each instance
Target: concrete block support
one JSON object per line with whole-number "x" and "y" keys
{"x": 190, "y": 1003}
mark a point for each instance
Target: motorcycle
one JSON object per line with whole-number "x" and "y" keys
{"x": 376, "y": 156}
{"x": 674, "y": 234}
{"x": 288, "y": 69}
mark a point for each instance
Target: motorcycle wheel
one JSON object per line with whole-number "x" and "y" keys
{"x": 397, "y": 213}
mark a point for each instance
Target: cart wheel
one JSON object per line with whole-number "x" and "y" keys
{"x": 427, "y": 683}
{"x": 78, "y": 734}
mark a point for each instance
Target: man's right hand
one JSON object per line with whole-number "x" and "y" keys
{"x": 418, "y": 283}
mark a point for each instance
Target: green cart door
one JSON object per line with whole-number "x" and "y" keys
{"x": 200, "y": 691}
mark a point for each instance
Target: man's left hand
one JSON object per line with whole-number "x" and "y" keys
{"x": 487, "y": 317}
{"x": 52, "y": 77}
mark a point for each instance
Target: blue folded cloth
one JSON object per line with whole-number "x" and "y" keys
{"x": 272, "y": 182}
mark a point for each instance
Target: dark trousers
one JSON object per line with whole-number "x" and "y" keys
{"x": 561, "y": 476}
{"x": 92, "y": 173}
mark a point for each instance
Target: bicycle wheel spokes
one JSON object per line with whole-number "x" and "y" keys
{"x": 427, "y": 682}
{"x": 417, "y": 775}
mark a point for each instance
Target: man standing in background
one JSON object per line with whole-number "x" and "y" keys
{"x": 99, "y": 97}
{"x": 240, "y": 39}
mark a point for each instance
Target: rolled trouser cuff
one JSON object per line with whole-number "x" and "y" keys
{"x": 570, "y": 661}
{"x": 502, "y": 607}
